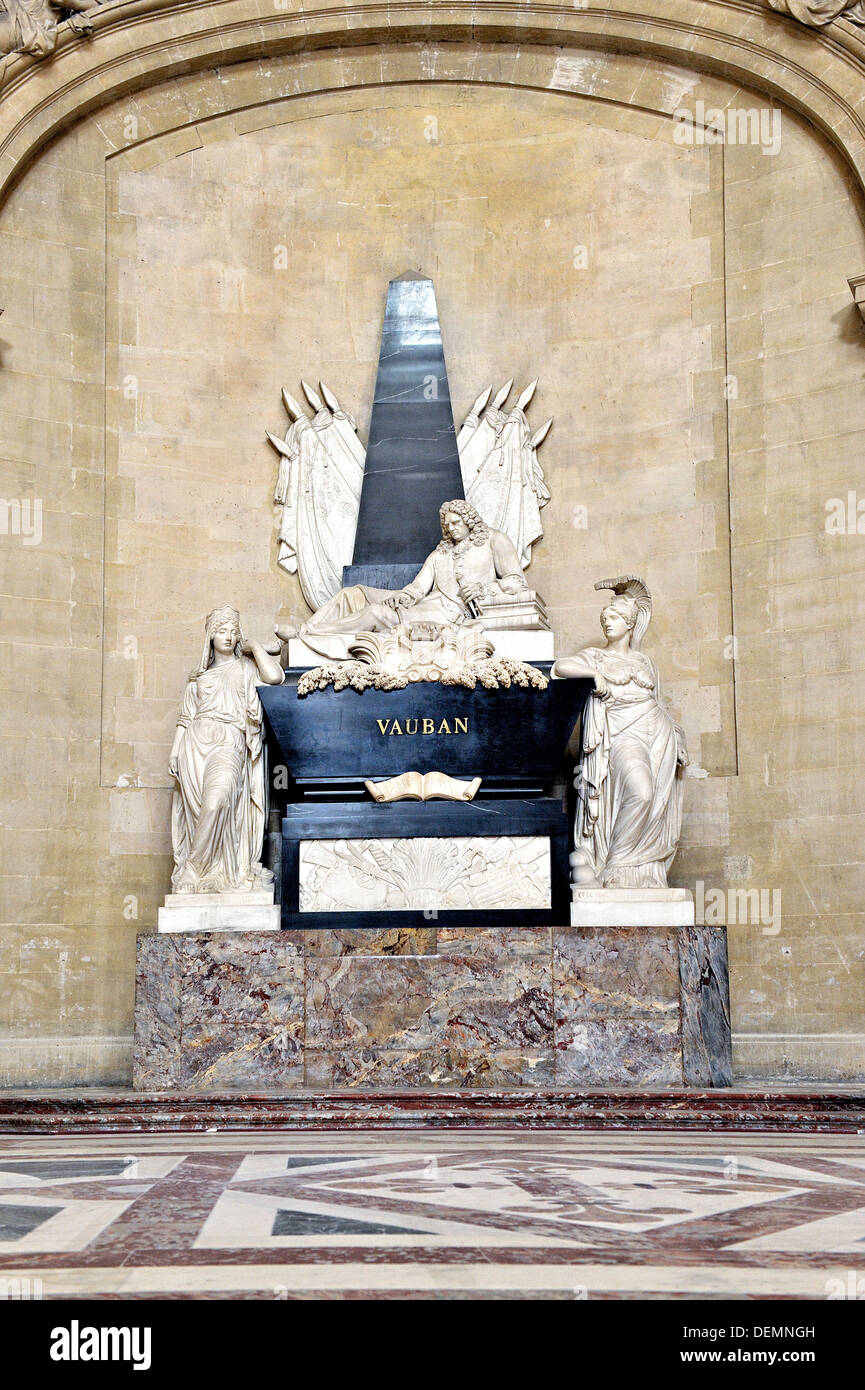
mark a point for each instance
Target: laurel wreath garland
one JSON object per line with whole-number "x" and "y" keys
{"x": 343, "y": 674}
{"x": 494, "y": 673}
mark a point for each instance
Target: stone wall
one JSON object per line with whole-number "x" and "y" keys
{"x": 701, "y": 357}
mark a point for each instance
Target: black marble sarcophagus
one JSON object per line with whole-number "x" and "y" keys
{"x": 499, "y": 857}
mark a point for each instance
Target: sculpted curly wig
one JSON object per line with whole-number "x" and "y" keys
{"x": 478, "y": 529}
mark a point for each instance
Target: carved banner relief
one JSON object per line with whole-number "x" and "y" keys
{"x": 435, "y": 875}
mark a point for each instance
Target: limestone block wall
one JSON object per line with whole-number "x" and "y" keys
{"x": 178, "y": 256}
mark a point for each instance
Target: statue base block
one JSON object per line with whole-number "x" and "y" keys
{"x": 632, "y": 907}
{"x": 390, "y": 1007}
{"x": 200, "y": 912}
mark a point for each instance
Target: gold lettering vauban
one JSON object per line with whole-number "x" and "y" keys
{"x": 389, "y": 727}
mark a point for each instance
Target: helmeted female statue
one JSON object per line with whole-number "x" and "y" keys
{"x": 629, "y": 790}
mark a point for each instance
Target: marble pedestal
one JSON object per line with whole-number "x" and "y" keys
{"x": 222, "y": 912}
{"x": 632, "y": 907}
{"x": 401, "y": 1008}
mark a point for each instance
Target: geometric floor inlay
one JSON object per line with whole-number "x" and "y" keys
{"x": 310, "y": 1223}
{"x": 66, "y": 1168}
{"x": 438, "y": 1215}
{"x": 16, "y": 1221}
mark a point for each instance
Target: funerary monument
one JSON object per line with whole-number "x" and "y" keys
{"x": 428, "y": 799}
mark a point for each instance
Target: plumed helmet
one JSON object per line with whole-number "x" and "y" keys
{"x": 639, "y": 602}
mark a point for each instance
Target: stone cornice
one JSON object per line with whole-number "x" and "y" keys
{"x": 140, "y": 43}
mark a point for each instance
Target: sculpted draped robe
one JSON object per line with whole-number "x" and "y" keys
{"x": 820, "y": 12}
{"x": 319, "y": 486}
{"x": 31, "y": 26}
{"x": 507, "y": 487}
{"x": 629, "y": 802}
{"x": 217, "y": 819}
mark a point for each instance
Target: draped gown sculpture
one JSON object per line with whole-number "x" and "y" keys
{"x": 817, "y": 13}
{"x": 321, "y": 469}
{"x": 218, "y": 812}
{"x": 629, "y": 789}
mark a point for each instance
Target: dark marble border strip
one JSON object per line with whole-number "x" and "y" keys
{"x": 158, "y": 1025}
{"x": 813, "y": 1111}
{"x": 707, "y": 1055}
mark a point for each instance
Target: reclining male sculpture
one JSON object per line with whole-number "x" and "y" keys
{"x": 471, "y": 565}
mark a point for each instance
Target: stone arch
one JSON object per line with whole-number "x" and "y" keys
{"x": 140, "y": 43}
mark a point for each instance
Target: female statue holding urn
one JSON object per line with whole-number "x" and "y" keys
{"x": 629, "y": 792}
{"x": 217, "y": 819}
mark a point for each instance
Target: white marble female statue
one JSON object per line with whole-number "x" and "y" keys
{"x": 217, "y": 818}
{"x": 629, "y": 792}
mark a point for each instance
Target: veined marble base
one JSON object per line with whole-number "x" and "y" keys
{"x": 527, "y": 644}
{"x": 200, "y": 912}
{"x": 632, "y": 907}
{"x": 755, "y": 1108}
{"x": 433, "y": 1007}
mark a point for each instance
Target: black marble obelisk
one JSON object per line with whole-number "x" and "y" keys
{"x": 412, "y": 462}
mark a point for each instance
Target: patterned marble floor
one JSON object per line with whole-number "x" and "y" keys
{"x": 433, "y": 1216}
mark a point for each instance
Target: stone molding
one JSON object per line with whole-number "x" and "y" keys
{"x": 757, "y": 1109}
{"x": 141, "y": 43}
